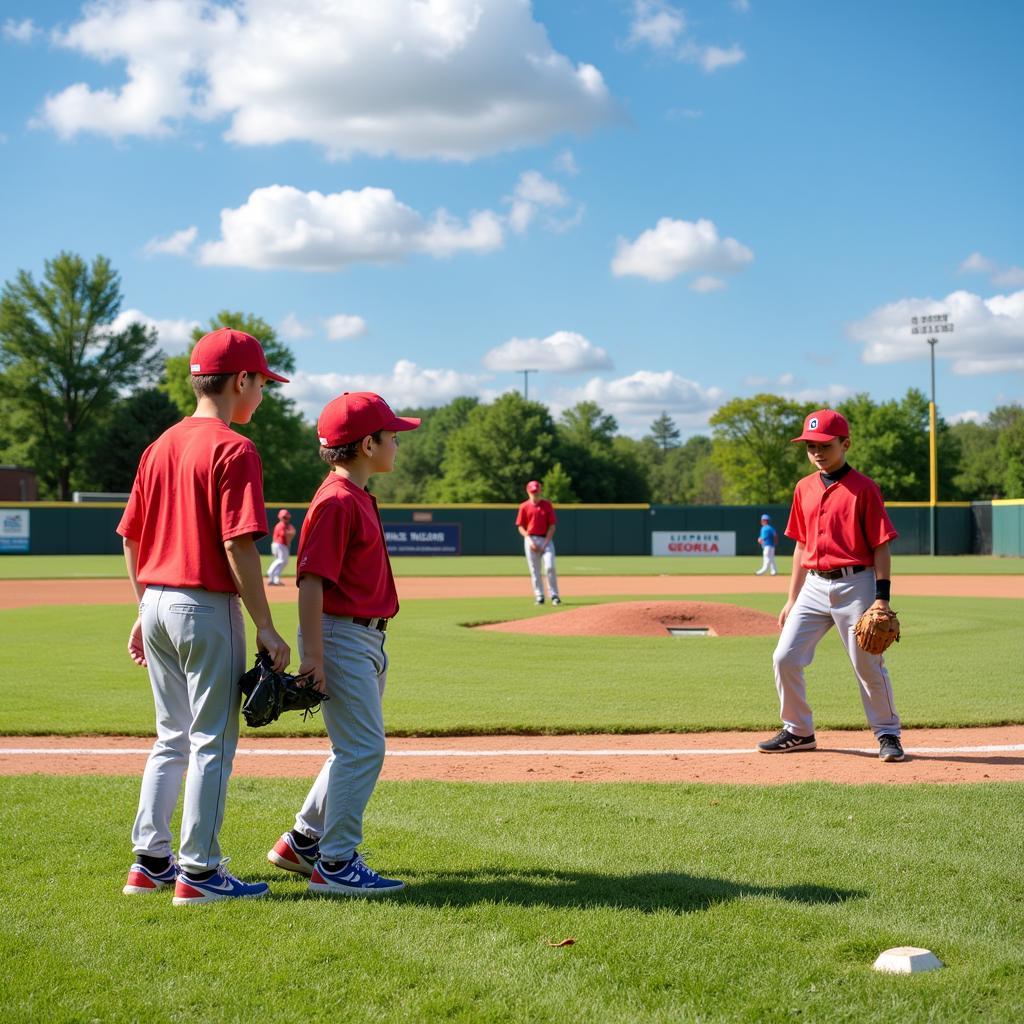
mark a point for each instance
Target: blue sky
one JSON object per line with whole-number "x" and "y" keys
{"x": 661, "y": 206}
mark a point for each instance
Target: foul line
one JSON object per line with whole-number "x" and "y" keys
{"x": 540, "y": 752}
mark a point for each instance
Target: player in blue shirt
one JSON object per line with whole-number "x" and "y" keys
{"x": 766, "y": 539}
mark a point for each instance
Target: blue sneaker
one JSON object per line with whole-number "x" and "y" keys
{"x": 354, "y": 878}
{"x": 220, "y": 886}
{"x": 287, "y": 856}
{"x": 141, "y": 880}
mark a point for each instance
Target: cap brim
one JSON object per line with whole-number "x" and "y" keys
{"x": 812, "y": 436}
{"x": 270, "y": 375}
{"x": 403, "y": 423}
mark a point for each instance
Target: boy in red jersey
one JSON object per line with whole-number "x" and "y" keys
{"x": 189, "y": 528}
{"x": 841, "y": 567}
{"x": 347, "y": 596}
{"x": 536, "y": 521}
{"x": 281, "y": 546}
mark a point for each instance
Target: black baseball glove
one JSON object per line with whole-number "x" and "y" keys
{"x": 269, "y": 693}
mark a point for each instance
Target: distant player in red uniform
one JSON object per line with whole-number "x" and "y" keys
{"x": 189, "y": 529}
{"x": 841, "y": 567}
{"x": 281, "y": 545}
{"x": 347, "y": 596}
{"x": 536, "y": 522}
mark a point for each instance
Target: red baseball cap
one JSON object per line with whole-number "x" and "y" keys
{"x": 824, "y": 425}
{"x": 229, "y": 351}
{"x": 353, "y": 415}
{"x": 284, "y": 514}
{"x": 533, "y": 487}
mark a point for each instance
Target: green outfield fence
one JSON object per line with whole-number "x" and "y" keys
{"x": 990, "y": 527}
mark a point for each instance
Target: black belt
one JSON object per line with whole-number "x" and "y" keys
{"x": 838, "y": 574}
{"x": 381, "y": 624}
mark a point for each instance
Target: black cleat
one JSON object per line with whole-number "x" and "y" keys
{"x": 785, "y": 741}
{"x": 889, "y": 748}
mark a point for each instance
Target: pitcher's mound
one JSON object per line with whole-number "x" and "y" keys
{"x": 646, "y": 618}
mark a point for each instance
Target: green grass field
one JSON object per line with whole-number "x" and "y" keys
{"x": 27, "y": 567}
{"x": 959, "y": 663}
{"x": 686, "y": 903}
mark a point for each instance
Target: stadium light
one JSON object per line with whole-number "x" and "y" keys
{"x": 930, "y": 326}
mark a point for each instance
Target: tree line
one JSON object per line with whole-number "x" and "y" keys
{"x": 81, "y": 401}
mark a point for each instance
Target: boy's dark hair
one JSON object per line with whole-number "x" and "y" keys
{"x": 345, "y": 452}
{"x": 210, "y": 383}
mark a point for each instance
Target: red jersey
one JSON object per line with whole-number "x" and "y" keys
{"x": 281, "y": 532}
{"x": 342, "y": 541}
{"x": 536, "y": 517}
{"x": 198, "y": 485}
{"x": 841, "y": 524}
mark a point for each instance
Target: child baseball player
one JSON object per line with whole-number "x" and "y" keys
{"x": 189, "y": 528}
{"x": 536, "y": 522}
{"x": 347, "y": 596}
{"x": 766, "y": 538}
{"x": 281, "y": 546}
{"x": 841, "y": 567}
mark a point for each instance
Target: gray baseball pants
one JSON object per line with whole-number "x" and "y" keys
{"x": 281, "y": 553}
{"x": 356, "y": 670}
{"x": 194, "y": 642}
{"x": 541, "y": 559}
{"x": 820, "y": 605}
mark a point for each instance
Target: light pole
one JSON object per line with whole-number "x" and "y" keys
{"x": 935, "y": 323}
{"x": 526, "y": 383}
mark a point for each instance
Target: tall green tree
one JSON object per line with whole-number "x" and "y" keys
{"x": 558, "y": 485}
{"x": 499, "y": 448}
{"x": 123, "y": 435}
{"x": 664, "y": 432}
{"x": 287, "y": 444}
{"x": 890, "y": 443}
{"x": 1009, "y": 420}
{"x": 62, "y": 366}
{"x": 981, "y": 476}
{"x": 417, "y": 471}
{"x": 752, "y": 447}
{"x": 597, "y": 469}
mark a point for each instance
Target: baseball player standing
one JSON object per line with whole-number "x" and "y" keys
{"x": 766, "y": 538}
{"x": 281, "y": 546}
{"x": 536, "y": 521}
{"x": 189, "y": 528}
{"x": 841, "y": 567}
{"x": 347, "y": 596}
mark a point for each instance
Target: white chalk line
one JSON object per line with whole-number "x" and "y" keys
{"x": 538, "y": 752}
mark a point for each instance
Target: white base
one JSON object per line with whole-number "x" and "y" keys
{"x": 907, "y": 960}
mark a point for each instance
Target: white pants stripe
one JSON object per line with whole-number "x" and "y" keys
{"x": 538, "y": 560}
{"x": 356, "y": 669}
{"x": 820, "y": 605}
{"x": 195, "y": 646}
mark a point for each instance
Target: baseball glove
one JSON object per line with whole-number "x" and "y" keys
{"x": 268, "y": 693}
{"x": 877, "y": 630}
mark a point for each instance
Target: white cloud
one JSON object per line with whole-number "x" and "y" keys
{"x": 662, "y": 26}
{"x": 988, "y": 334}
{"x": 638, "y": 399}
{"x": 711, "y": 58}
{"x": 406, "y": 385}
{"x": 743, "y": 6}
{"x": 1009, "y": 277}
{"x": 23, "y": 31}
{"x": 533, "y": 192}
{"x": 566, "y": 163}
{"x": 656, "y": 23}
{"x": 177, "y": 244}
{"x": 451, "y": 79}
{"x": 976, "y": 264}
{"x": 561, "y": 352}
{"x": 969, "y": 416}
{"x": 342, "y": 327}
{"x": 292, "y": 328}
{"x": 706, "y": 283}
{"x": 174, "y": 336}
{"x": 675, "y": 247}
{"x": 283, "y": 227}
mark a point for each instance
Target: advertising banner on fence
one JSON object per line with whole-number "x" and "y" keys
{"x": 699, "y": 542}
{"x": 420, "y": 539}
{"x": 14, "y": 533}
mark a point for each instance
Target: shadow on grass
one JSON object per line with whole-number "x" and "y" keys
{"x": 647, "y": 892}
